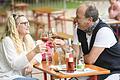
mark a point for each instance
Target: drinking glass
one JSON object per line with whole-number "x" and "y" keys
{"x": 44, "y": 36}
{"x": 79, "y": 64}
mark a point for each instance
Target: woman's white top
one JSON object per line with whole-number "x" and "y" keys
{"x": 11, "y": 63}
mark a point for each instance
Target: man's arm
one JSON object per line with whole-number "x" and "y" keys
{"x": 93, "y": 55}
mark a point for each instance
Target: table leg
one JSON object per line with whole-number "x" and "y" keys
{"x": 51, "y": 77}
{"x": 45, "y": 75}
{"x": 37, "y": 33}
{"x": 49, "y": 22}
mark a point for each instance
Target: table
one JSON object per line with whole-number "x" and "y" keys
{"x": 43, "y": 10}
{"x": 63, "y": 22}
{"x": 111, "y": 21}
{"x": 21, "y": 6}
{"x": 45, "y": 68}
{"x": 3, "y": 17}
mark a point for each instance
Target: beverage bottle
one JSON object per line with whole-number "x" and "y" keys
{"x": 50, "y": 33}
{"x": 47, "y": 58}
{"x": 55, "y": 57}
{"x": 69, "y": 62}
{"x": 69, "y": 57}
{"x": 80, "y": 65}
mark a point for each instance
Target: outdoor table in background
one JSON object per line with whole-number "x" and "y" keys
{"x": 3, "y": 17}
{"x": 63, "y": 35}
{"x": 20, "y": 6}
{"x": 45, "y": 10}
{"x": 52, "y": 14}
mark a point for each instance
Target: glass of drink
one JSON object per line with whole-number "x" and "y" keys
{"x": 79, "y": 65}
{"x": 70, "y": 65}
{"x": 44, "y": 36}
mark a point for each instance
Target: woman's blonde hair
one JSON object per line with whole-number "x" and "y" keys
{"x": 11, "y": 31}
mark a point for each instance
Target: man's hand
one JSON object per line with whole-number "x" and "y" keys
{"x": 58, "y": 42}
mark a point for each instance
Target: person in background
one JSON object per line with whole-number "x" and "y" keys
{"x": 114, "y": 9}
{"x": 98, "y": 41}
{"x": 17, "y": 49}
{"x": 118, "y": 17}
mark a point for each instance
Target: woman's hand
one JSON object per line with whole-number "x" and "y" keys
{"x": 40, "y": 48}
{"x": 28, "y": 70}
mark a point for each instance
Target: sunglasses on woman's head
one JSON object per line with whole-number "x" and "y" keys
{"x": 16, "y": 16}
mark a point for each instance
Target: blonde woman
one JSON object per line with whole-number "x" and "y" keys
{"x": 17, "y": 49}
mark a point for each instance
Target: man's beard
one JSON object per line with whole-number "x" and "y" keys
{"x": 89, "y": 30}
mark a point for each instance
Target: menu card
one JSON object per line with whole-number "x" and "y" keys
{"x": 86, "y": 70}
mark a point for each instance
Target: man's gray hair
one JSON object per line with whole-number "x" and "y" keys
{"x": 92, "y": 12}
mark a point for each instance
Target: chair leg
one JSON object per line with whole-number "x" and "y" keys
{"x": 36, "y": 34}
{"x": 45, "y": 75}
{"x": 56, "y": 24}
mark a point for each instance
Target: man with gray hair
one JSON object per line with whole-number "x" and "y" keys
{"x": 98, "y": 42}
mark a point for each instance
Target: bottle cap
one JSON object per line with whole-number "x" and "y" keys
{"x": 70, "y": 60}
{"x": 67, "y": 55}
